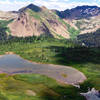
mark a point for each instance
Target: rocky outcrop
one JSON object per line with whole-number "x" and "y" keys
{"x": 85, "y": 18}
{"x": 26, "y": 25}
{"x": 92, "y": 95}
{"x": 35, "y": 21}
{"x": 79, "y": 12}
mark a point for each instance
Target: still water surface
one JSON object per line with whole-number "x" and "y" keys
{"x": 13, "y": 64}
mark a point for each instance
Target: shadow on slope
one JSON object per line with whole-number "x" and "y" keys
{"x": 32, "y": 7}
{"x": 76, "y": 55}
{"x": 3, "y": 34}
{"x": 64, "y": 93}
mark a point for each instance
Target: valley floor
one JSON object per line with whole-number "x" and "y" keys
{"x": 61, "y": 53}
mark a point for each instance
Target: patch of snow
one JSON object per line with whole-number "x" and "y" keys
{"x": 93, "y": 94}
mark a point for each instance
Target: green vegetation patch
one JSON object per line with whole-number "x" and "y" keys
{"x": 72, "y": 31}
{"x": 35, "y": 87}
{"x": 34, "y": 14}
{"x": 4, "y": 30}
{"x": 4, "y": 23}
{"x": 60, "y": 52}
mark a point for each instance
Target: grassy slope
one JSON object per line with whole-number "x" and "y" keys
{"x": 46, "y": 14}
{"x": 42, "y": 17}
{"x": 4, "y": 23}
{"x": 72, "y": 31}
{"x": 16, "y": 87}
{"x": 4, "y": 30}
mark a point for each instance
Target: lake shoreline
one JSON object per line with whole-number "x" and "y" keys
{"x": 52, "y": 65}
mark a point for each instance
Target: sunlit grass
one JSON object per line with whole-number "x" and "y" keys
{"x": 35, "y": 87}
{"x": 62, "y": 53}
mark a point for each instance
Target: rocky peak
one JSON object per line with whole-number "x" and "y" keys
{"x": 80, "y": 12}
{"x": 88, "y": 10}
{"x": 32, "y": 7}
{"x": 86, "y": 7}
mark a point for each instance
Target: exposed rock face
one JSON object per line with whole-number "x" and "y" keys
{"x": 80, "y": 12}
{"x": 35, "y": 21}
{"x": 88, "y": 25}
{"x": 26, "y": 25}
{"x": 92, "y": 95}
{"x": 85, "y": 18}
{"x": 58, "y": 28}
{"x": 31, "y": 6}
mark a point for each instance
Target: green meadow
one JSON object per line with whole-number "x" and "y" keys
{"x": 60, "y": 52}
{"x": 35, "y": 87}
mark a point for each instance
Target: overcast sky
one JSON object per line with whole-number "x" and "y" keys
{"x": 8, "y": 5}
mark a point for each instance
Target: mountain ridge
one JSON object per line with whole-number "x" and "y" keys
{"x": 85, "y": 18}
{"x": 36, "y": 21}
{"x": 33, "y": 20}
{"x": 30, "y": 6}
{"x": 79, "y": 12}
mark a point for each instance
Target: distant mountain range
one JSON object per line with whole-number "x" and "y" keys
{"x": 79, "y": 12}
{"x": 37, "y": 21}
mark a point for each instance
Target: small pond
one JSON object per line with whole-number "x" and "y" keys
{"x": 13, "y": 64}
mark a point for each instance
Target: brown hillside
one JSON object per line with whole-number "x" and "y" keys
{"x": 36, "y": 21}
